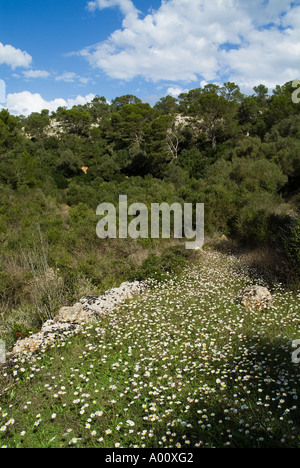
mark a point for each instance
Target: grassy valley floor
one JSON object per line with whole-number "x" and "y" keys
{"x": 181, "y": 366}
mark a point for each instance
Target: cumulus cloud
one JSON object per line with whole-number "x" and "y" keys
{"x": 13, "y": 57}
{"x": 36, "y": 74}
{"x": 174, "y": 91}
{"x": 200, "y": 40}
{"x": 126, "y": 6}
{"x": 271, "y": 55}
{"x": 25, "y": 103}
{"x": 71, "y": 77}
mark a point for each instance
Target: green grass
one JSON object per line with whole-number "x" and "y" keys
{"x": 181, "y": 366}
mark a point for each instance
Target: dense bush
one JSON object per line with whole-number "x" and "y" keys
{"x": 158, "y": 267}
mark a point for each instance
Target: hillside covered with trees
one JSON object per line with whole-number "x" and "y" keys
{"x": 240, "y": 155}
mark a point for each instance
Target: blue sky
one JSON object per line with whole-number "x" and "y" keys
{"x": 62, "y": 52}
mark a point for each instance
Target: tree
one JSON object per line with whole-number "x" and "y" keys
{"x": 122, "y": 101}
{"x": 163, "y": 140}
{"x": 215, "y": 117}
{"x": 194, "y": 162}
{"x": 211, "y": 89}
{"x": 232, "y": 92}
{"x": 248, "y": 111}
{"x": 187, "y": 100}
{"x": 36, "y": 123}
{"x": 129, "y": 122}
{"x": 69, "y": 163}
{"x": 261, "y": 92}
{"x": 75, "y": 120}
{"x": 251, "y": 116}
{"x": 99, "y": 107}
{"x": 25, "y": 167}
{"x": 287, "y": 89}
{"x": 281, "y": 107}
{"x": 10, "y": 132}
{"x": 167, "y": 105}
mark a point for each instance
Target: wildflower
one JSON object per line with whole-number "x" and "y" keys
{"x": 73, "y": 441}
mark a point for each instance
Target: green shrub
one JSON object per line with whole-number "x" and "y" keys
{"x": 20, "y": 331}
{"x": 158, "y": 268}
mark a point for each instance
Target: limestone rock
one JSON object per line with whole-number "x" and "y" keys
{"x": 70, "y": 320}
{"x": 76, "y": 314}
{"x": 96, "y": 306}
{"x": 50, "y": 333}
{"x": 255, "y": 297}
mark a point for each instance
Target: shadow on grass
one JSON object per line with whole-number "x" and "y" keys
{"x": 258, "y": 406}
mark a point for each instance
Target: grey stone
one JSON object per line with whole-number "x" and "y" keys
{"x": 255, "y": 297}
{"x": 70, "y": 320}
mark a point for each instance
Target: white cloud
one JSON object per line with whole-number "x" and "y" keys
{"x": 36, "y": 74}
{"x": 79, "y": 100}
{"x": 200, "y": 40}
{"x": 68, "y": 77}
{"x": 175, "y": 91}
{"x": 271, "y": 56}
{"x": 25, "y": 103}
{"x": 126, "y": 6}
{"x": 13, "y": 57}
{"x": 71, "y": 77}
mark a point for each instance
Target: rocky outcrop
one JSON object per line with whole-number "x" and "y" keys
{"x": 49, "y": 334}
{"x": 74, "y": 314}
{"x": 255, "y": 297}
{"x": 70, "y": 320}
{"x": 91, "y": 308}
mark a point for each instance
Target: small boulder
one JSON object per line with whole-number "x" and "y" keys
{"x": 76, "y": 314}
{"x": 255, "y": 297}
